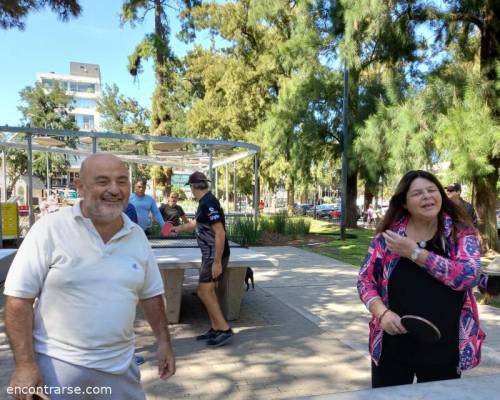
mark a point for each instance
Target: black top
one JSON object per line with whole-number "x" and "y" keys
{"x": 172, "y": 214}
{"x": 209, "y": 212}
{"x": 414, "y": 291}
{"x": 470, "y": 210}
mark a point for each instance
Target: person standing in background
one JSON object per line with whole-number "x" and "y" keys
{"x": 172, "y": 212}
{"x": 454, "y": 193}
{"x": 145, "y": 206}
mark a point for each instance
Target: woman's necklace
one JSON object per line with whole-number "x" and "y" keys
{"x": 420, "y": 243}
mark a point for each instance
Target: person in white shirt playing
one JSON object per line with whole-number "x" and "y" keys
{"x": 87, "y": 267}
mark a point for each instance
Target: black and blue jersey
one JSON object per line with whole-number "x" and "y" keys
{"x": 208, "y": 213}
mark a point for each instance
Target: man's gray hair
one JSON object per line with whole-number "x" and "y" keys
{"x": 200, "y": 185}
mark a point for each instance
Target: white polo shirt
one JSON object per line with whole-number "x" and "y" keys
{"x": 86, "y": 290}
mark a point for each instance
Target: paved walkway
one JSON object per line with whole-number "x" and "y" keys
{"x": 302, "y": 332}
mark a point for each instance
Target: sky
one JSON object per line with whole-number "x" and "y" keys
{"x": 48, "y": 45}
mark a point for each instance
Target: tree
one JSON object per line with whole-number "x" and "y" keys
{"x": 13, "y": 12}
{"x": 463, "y": 32}
{"x": 473, "y": 27}
{"x": 120, "y": 114}
{"x": 370, "y": 40}
{"x": 267, "y": 86}
{"x": 165, "y": 108}
{"x": 470, "y": 136}
{"x": 43, "y": 109}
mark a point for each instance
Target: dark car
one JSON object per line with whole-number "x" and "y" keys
{"x": 301, "y": 209}
{"x": 321, "y": 210}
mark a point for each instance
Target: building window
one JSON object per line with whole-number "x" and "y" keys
{"x": 47, "y": 83}
{"x": 84, "y": 103}
{"x": 82, "y": 87}
{"x": 85, "y": 122}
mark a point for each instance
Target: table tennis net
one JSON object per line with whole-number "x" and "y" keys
{"x": 188, "y": 242}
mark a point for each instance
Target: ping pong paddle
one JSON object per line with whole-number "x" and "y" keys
{"x": 421, "y": 328}
{"x": 166, "y": 230}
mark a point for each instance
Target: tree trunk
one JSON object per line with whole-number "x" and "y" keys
{"x": 160, "y": 31}
{"x": 352, "y": 173}
{"x": 290, "y": 190}
{"x": 490, "y": 47}
{"x": 486, "y": 209}
{"x": 168, "y": 172}
{"x": 368, "y": 197}
{"x": 352, "y": 195}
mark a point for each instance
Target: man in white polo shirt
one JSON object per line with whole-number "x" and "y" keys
{"x": 87, "y": 267}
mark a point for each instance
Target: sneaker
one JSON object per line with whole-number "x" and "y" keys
{"x": 221, "y": 338}
{"x": 139, "y": 360}
{"x": 210, "y": 334}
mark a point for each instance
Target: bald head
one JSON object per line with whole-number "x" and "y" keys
{"x": 96, "y": 161}
{"x": 105, "y": 187}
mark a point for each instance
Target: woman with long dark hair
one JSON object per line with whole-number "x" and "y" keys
{"x": 424, "y": 261}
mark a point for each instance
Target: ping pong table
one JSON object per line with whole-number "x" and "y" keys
{"x": 174, "y": 256}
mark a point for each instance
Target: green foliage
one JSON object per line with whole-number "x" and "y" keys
{"x": 296, "y": 227}
{"x": 122, "y": 114}
{"x": 469, "y": 135}
{"x": 13, "y": 13}
{"x": 41, "y": 109}
{"x": 243, "y": 231}
{"x": 283, "y": 224}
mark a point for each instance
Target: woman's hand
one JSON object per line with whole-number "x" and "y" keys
{"x": 398, "y": 244}
{"x": 391, "y": 323}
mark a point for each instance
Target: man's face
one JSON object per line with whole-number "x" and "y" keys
{"x": 105, "y": 188}
{"x": 139, "y": 189}
{"x": 197, "y": 193}
{"x": 452, "y": 193}
{"x": 172, "y": 199}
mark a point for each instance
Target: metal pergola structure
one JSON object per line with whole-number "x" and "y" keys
{"x": 186, "y": 154}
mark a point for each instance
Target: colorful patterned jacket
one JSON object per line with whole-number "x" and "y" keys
{"x": 461, "y": 271}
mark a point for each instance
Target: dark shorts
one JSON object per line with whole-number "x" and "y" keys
{"x": 206, "y": 270}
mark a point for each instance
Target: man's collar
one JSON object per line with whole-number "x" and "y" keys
{"x": 208, "y": 191}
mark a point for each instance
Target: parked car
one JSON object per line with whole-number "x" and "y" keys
{"x": 301, "y": 208}
{"x": 321, "y": 211}
{"x": 335, "y": 214}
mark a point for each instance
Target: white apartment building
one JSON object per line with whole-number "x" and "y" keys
{"x": 84, "y": 84}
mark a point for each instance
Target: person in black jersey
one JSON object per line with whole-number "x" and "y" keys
{"x": 424, "y": 261}
{"x": 172, "y": 212}
{"x": 210, "y": 226}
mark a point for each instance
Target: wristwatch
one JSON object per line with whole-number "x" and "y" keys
{"x": 415, "y": 253}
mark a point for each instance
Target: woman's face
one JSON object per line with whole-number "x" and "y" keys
{"x": 423, "y": 199}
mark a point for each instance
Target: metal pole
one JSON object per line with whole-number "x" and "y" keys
{"x": 94, "y": 145}
{"x": 47, "y": 155}
{"x": 256, "y": 191}
{"x": 234, "y": 187}
{"x": 31, "y": 215}
{"x": 345, "y": 143}
{"x": 227, "y": 187}
{"x": 216, "y": 174}
{"x": 210, "y": 168}
{"x": 4, "y": 177}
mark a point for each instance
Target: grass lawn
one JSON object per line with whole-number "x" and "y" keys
{"x": 352, "y": 250}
